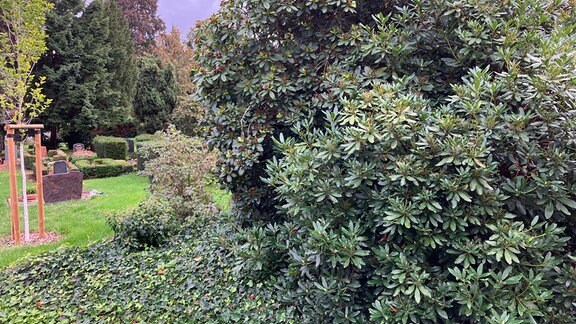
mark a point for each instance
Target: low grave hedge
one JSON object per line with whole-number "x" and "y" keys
{"x": 103, "y": 167}
{"x": 29, "y": 161}
{"x": 90, "y": 159}
{"x": 48, "y": 167}
{"x": 52, "y": 155}
{"x": 145, "y": 138}
{"x": 111, "y": 147}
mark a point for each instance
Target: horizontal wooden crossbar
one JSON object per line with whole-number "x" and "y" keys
{"x": 23, "y": 126}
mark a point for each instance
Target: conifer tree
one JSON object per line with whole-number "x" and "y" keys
{"x": 156, "y": 93}
{"x": 89, "y": 68}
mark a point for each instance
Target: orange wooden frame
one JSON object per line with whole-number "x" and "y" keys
{"x": 11, "y": 147}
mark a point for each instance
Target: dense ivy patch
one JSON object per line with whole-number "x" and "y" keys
{"x": 189, "y": 279}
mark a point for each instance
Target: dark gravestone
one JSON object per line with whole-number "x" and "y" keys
{"x": 140, "y": 163}
{"x": 60, "y": 167}
{"x": 61, "y": 187}
{"x": 78, "y": 147}
{"x": 130, "y": 145}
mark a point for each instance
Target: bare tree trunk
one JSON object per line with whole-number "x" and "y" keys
{"x": 24, "y": 196}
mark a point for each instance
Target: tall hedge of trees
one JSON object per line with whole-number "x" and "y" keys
{"x": 89, "y": 68}
{"x": 400, "y": 161}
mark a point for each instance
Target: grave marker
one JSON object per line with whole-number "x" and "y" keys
{"x": 60, "y": 167}
{"x": 130, "y": 145}
{"x": 78, "y": 147}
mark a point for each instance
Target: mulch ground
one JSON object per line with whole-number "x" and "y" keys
{"x": 6, "y": 241}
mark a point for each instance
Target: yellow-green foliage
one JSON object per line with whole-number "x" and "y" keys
{"x": 22, "y": 42}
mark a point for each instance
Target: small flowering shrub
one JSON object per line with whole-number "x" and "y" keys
{"x": 83, "y": 154}
{"x": 179, "y": 167}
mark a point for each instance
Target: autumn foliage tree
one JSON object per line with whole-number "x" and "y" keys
{"x": 170, "y": 49}
{"x": 143, "y": 22}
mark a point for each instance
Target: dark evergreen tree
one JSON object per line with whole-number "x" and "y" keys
{"x": 121, "y": 63}
{"x": 89, "y": 69}
{"x": 156, "y": 93}
{"x": 61, "y": 66}
{"x": 117, "y": 74}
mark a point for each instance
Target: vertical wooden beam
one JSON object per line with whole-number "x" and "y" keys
{"x": 13, "y": 187}
{"x": 39, "y": 188}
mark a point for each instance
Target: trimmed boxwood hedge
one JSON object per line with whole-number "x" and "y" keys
{"x": 103, "y": 168}
{"x": 111, "y": 147}
{"x": 145, "y": 138}
{"x": 83, "y": 158}
{"x": 57, "y": 155}
{"x": 30, "y": 158}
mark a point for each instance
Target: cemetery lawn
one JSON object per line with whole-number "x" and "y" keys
{"x": 79, "y": 222}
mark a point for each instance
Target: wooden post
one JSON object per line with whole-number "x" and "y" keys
{"x": 39, "y": 188}
{"x": 13, "y": 187}
{"x": 14, "y": 213}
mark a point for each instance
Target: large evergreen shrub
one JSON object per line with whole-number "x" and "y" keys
{"x": 429, "y": 175}
{"x": 262, "y": 66}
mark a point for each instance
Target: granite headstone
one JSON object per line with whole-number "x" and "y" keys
{"x": 60, "y": 167}
{"x": 130, "y": 145}
{"x": 78, "y": 147}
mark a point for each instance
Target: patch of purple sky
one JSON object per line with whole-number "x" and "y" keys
{"x": 184, "y": 13}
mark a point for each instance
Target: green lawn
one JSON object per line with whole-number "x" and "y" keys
{"x": 81, "y": 221}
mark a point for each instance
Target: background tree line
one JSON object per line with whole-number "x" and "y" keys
{"x": 110, "y": 69}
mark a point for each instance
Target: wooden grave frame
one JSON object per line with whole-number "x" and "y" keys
{"x": 11, "y": 148}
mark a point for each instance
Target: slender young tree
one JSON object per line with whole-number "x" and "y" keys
{"x": 188, "y": 111}
{"x": 22, "y": 42}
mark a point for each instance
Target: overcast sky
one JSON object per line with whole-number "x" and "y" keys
{"x": 184, "y": 13}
